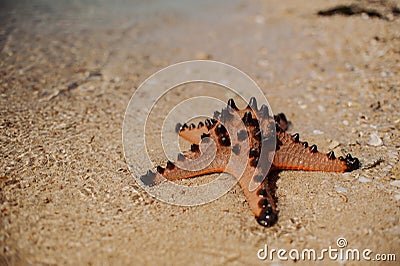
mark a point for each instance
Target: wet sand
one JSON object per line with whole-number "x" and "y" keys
{"x": 68, "y": 70}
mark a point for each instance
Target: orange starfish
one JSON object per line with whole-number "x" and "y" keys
{"x": 267, "y": 148}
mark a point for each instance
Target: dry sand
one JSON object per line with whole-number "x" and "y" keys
{"x": 68, "y": 70}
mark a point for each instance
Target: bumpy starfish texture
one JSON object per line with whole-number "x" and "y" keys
{"x": 267, "y": 148}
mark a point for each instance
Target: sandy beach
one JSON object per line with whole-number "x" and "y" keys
{"x": 69, "y": 68}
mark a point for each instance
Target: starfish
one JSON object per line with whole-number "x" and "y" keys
{"x": 258, "y": 137}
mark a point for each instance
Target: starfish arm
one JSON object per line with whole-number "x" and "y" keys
{"x": 210, "y": 155}
{"x": 192, "y": 133}
{"x": 291, "y": 154}
{"x": 197, "y": 162}
{"x": 261, "y": 200}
